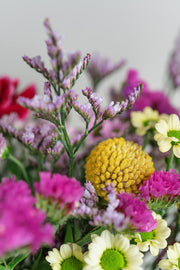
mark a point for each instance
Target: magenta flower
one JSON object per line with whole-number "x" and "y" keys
{"x": 21, "y": 224}
{"x": 137, "y": 211}
{"x": 60, "y": 188}
{"x": 163, "y": 183}
{"x": 154, "y": 99}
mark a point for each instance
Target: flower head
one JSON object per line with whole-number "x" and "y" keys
{"x": 21, "y": 224}
{"x": 173, "y": 261}
{"x": 155, "y": 239}
{"x": 112, "y": 252}
{"x": 168, "y": 135}
{"x": 68, "y": 257}
{"x": 9, "y": 95}
{"x": 59, "y": 188}
{"x": 161, "y": 184}
{"x": 145, "y": 120}
{"x": 119, "y": 161}
{"x": 137, "y": 211}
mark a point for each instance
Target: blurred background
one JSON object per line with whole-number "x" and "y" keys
{"x": 142, "y": 32}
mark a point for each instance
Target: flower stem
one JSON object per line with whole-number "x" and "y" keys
{"x": 170, "y": 160}
{"x": 146, "y": 139}
{"x": 21, "y": 167}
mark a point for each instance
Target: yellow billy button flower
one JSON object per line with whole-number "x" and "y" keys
{"x": 168, "y": 135}
{"x": 173, "y": 261}
{"x": 155, "y": 239}
{"x": 109, "y": 252}
{"x": 146, "y": 120}
{"x": 68, "y": 257}
{"x": 121, "y": 162}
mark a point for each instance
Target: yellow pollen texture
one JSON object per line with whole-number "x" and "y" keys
{"x": 119, "y": 161}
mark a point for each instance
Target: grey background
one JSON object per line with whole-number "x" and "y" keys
{"x": 141, "y": 31}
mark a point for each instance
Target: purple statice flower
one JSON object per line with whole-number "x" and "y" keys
{"x": 161, "y": 184}
{"x": 3, "y": 146}
{"x": 88, "y": 202}
{"x": 21, "y": 224}
{"x": 37, "y": 64}
{"x": 59, "y": 188}
{"x": 111, "y": 110}
{"x": 6, "y": 125}
{"x": 110, "y": 216}
{"x": 28, "y": 136}
{"x": 54, "y": 47}
{"x": 72, "y": 60}
{"x": 139, "y": 215}
{"x": 70, "y": 79}
{"x": 100, "y": 68}
{"x": 94, "y": 99}
{"x": 43, "y": 104}
{"x": 117, "y": 108}
{"x": 84, "y": 110}
{"x": 106, "y": 216}
{"x": 174, "y": 64}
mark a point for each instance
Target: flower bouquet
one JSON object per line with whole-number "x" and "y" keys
{"x": 104, "y": 195}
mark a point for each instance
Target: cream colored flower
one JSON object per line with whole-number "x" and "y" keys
{"x": 68, "y": 257}
{"x": 155, "y": 239}
{"x": 168, "y": 135}
{"x": 145, "y": 120}
{"x": 112, "y": 252}
{"x": 173, "y": 261}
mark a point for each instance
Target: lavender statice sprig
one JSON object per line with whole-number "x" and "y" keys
{"x": 99, "y": 68}
{"x": 70, "y": 79}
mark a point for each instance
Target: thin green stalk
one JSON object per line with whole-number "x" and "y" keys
{"x": 86, "y": 134}
{"x": 170, "y": 160}
{"x": 5, "y": 264}
{"x": 21, "y": 167}
{"x": 146, "y": 139}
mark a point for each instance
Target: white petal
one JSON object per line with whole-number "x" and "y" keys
{"x": 162, "y": 127}
{"x": 173, "y": 122}
{"x": 164, "y": 144}
{"x": 176, "y": 150}
{"x": 65, "y": 251}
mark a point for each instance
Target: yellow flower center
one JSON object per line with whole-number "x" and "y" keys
{"x": 119, "y": 161}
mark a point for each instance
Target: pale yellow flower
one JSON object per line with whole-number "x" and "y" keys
{"x": 168, "y": 135}
{"x": 145, "y": 120}
{"x": 68, "y": 257}
{"x": 155, "y": 239}
{"x": 173, "y": 261}
{"x": 109, "y": 251}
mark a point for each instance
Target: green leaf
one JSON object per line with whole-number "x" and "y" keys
{"x": 17, "y": 260}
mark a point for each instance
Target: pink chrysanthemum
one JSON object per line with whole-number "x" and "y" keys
{"x": 163, "y": 183}
{"x": 60, "y": 188}
{"x": 137, "y": 211}
{"x": 21, "y": 224}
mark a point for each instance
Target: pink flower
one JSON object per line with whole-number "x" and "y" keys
{"x": 154, "y": 99}
{"x": 60, "y": 188}
{"x": 21, "y": 224}
{"x": 163, "y": 183}
{"x": 8, "y": 97}
{"x": 137, "y": 211}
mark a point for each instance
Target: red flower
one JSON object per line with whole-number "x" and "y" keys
{"x": 8, "y": 97}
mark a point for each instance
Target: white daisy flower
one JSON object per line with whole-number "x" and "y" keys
{"x": 173, "y": 261}
{"x": 145, "y": 120}
{"x": 155, "y": 239}
{"x": 68, "y": 257}
{"x": 107, "y": 252}
{"x": 168, "y": 135}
